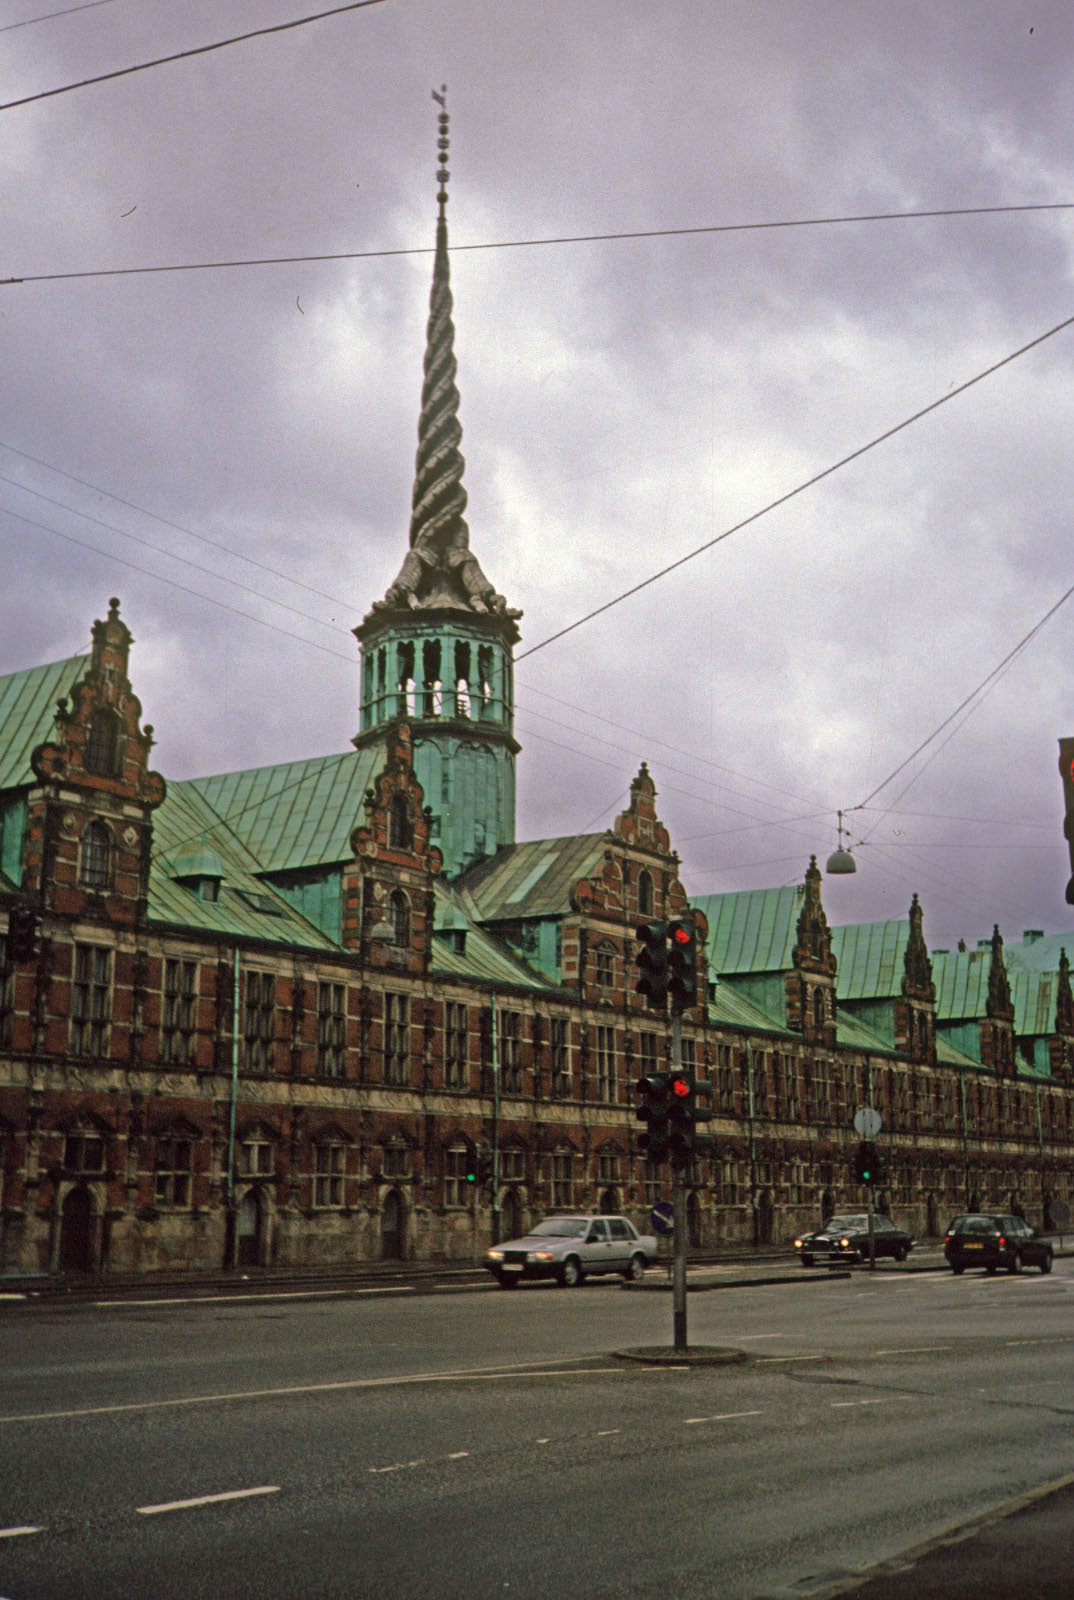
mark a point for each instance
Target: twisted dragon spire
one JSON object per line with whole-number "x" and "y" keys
{"x": 440, "y": 570}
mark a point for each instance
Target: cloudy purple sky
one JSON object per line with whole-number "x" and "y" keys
{"x": 231, "y": 451}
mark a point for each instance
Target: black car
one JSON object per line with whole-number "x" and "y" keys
{"x": 992, "y": 1239}
{"x": 847, "y": 1239}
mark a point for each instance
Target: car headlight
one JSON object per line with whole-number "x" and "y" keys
{"x": 844, "y": 1244}
{"x": 493, "y": 1255}
{"x": 543, "y": 1255}
{"x": 798, "y": 1244}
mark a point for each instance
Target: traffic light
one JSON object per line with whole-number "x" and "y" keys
{"x": 680, "y": 1120}
{"x": 1066, "y": 772}
{"x": 682, "y": 963}
{"x": 21, "y": 935}
{"x": 684, "y": 1140}
{"x": 473, "y": 1167}
{"x": 484, "y": 1166}
{"x": 654, "y": 1112}
{"x": 652, "y": 960}
{"x": 866, "y": 1166}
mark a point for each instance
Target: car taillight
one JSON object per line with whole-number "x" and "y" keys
{"x": 1001, "y": 1241}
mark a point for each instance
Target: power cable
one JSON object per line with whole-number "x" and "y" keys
{"x": 214, "y": 544}
{"x": 183, "y": 55}
{"x": 809, "y": 483}
{"x": 50, "y": 16}
{"x": 527, "y": 244}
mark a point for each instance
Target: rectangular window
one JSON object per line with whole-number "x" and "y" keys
{"x": 608, "y": 1166}
{"x": 328, "y": 1166}
{"x": 456, "y": 1045}
{"x": 7, "y": 1005}
{"x": 725, "y": 1079}
{"x": 563, "y": 1178}
{"x": 90, "y": 1000}
{"x": 331, "y": 1030}
{"x": 396, "y": 1161}
{"x": 604, "y": 1062}
{"x": 510, "y": 1052}
{"x": 257, "y": 1158}
{"x": 559, "y": 1046}
{"x": 179, "y": 1013}
{"x": 396, "y": 1038}
{"x": 259, "y": 1019}
{"x": 689, "y": 1057}
{"x": 456, "y": 1165}
{"x": 512, "y": 1166}
{"x": 83, "y": 1152}
{"x": 654, "y": 1183}
{"x": 605, "y": 966}
{"x": 648, "y": 1053}
{"x": 172, "y": 1172}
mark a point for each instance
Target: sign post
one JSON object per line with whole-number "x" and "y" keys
{"x": 867, "y": 1124}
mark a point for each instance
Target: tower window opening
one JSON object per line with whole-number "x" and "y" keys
{"x": 382, "y": 679}
{"x": 400, "y": 833}
{"x": 406, "y": 699}
{"x": 462, "y": 680}
{"x": 95, "y": 866}
{"x": 484, "y": 678}
{"x": 432, "y": 690}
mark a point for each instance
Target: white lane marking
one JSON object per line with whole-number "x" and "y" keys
{"x": 398, "y": 1466}
{"x": 840, "y": 1405}
{"x": 744, "y": 1336}
{"x": 914, "y": 1350}
{"x": 723, "y": 1416}
{"x": 18, "y": 1533}
{"x": 462, "y": 1375}
{"x": 458, "y": 1455}
{"x": 605, "y": 1433}
{"x": 542, "y": 1441}
{"x": 207, "y": 1500}
{"x": 254, "y": 1298}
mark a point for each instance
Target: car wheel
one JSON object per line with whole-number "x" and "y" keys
{"x": 507, "y": 1280}
{"x": 957, "y": 1268}
{"x": 570, "y": 1273}
{"x": 1015, "y": 1263}
{"x": 807, "y": 1261}
{"x": 900, "y": 1252}
{"x": 636, "y": 1270}
{"x": 1046, "y": 1262}
{"x": 991, "y": 1269}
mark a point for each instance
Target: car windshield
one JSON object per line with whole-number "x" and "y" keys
{"x": 845, "y": 1224}
{"x": 560, "y": 1228}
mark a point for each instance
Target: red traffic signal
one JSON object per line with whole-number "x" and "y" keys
{"x": 682, "y": 962}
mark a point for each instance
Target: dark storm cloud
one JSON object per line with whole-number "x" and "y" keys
{"x": 623, "y": 401}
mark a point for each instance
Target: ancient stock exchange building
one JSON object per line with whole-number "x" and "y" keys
{"x": 277, "y": 1016}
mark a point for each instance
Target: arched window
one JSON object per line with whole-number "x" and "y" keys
{"x": 102, "y": 745}
{"x": 400, "y": 832}
{"x": 95, "y": 866}
{"x": 399, "y": 917}
{"x": 818, "y": 1007}
{"x": 645, "y": 893}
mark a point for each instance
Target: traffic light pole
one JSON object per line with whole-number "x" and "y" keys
{"x": 678, "y": 1197}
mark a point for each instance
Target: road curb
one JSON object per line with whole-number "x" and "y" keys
{"x": 698, "y": 1355}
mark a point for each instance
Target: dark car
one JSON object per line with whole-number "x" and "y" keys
{"x": 992, "y": 1239}
{"x": 847, "y": 1239}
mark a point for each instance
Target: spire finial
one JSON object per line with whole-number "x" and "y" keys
{"x": 443, "y": 144}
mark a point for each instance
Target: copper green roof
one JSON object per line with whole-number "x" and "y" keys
{"x": 728, "y": 1007}
{"x": 869, "y": 959}
{"x": 531, "y": 880}
{"x": 247, "y": 907}
{"x": 27, "y": 714}
{"x": 299, "y": 814}
{"x": 482, "y": 957}
{"x": 751, "y": 931}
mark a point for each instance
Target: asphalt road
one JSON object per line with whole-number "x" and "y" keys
{"x": 481, "y": 1444}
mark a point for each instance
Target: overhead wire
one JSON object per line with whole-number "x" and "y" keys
{"x": 50, "y": 16}
{"x": 185, "y": 55}
{"x": 809, "y": 483}
{"x": 533, "y": 243}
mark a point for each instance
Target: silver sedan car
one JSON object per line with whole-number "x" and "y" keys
{"x": 569, "y": 1249}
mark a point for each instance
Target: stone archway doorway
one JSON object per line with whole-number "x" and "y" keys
{"x": 76, "y": 1231}
{"x": 393, "y": 1227}
{"x": 251, "y": 1225}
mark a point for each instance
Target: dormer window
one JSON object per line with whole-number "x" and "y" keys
{"x": 96, "y": 860}
{"x": 102, "y": 744}
{"x": 399, "y": 917}
{"x": 400, "y": 831}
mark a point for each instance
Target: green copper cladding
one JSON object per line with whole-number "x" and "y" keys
{"x": 437, "y": 649}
